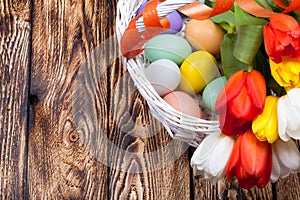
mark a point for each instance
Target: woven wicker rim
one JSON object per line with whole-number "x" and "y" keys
{"x": 180, "y": 126}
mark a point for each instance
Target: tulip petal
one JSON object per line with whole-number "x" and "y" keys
{"x": 275, "y": 166}
{"x": 220, "y": 155}
{"x": 254, "y": 154}
{"x": 282, "y": 120}
{"x": 285, "y": 23}
{"x": 233, "y": 162}
{"x": 232, "y": 87}
{"x": 200, "y": 156}
{"x": 256, "y": 87}
{"x": 286, "y": 159}
{"x": 232, "y": 126}
{"x": 269, "y": 38}
{"x": 288, "y": 154}
{"x": 264, "y": 179}
{"x": 265, "y": 125}
{"x": 240, "y": 106}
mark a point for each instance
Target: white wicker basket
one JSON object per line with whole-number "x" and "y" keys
{"x": 179, "y": 125}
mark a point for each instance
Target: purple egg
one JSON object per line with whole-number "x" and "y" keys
{"x": 175, "y": 21}
{"x": 174, "y": 18}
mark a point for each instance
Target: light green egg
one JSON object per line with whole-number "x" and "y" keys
{"x": 168, "y": 46}
{"x": 212, "y": 91}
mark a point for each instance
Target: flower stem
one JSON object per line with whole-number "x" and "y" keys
{"x": 250, "y": 68}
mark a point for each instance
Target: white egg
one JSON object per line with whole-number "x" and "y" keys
{"x": 164, "y": 76}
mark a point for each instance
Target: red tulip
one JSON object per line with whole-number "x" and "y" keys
{"x": 250, "y": 161}
{"x": 281, "y": 37}
{"x": 240, "y": 101}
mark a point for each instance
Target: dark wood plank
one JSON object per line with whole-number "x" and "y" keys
{"x": 145, "y": 163}
{"x": 15, "y": 30}
{"x": 66, "y": 142}
{"x": 228, "y": 190}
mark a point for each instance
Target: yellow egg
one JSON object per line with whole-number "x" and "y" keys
{"x": 204, "y": 35}
{"x": 197, "y": 70}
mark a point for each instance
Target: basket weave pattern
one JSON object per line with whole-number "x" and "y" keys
{"x": 180, "y": 126}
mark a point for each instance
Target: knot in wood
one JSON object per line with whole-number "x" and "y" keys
{"x": 73, "y": 136}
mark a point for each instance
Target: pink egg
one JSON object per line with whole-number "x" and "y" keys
{"x": 183, "y": 103}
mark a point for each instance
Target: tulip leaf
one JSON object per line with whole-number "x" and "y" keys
{"x": 226, "y": 21}
{"x": 244, "y": 18}
{"x": 229, "y": 62}
{"x": 249, "y": 40}
{"x": 274, "y": 6}
{"x": 261, "y": 63}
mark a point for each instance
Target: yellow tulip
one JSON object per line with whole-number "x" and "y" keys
{"x": 287, "y": 72}
{"x": 265, "y": 125}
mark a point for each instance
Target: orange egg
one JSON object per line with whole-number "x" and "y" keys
{"x": 204, "y": 35}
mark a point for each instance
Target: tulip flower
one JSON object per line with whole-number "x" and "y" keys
{"x": 285, "y": 159}
{"x": 240, "y": 101}
{"x": 281, "y": 37}
{"x": 211, "y": 156}
{"x": 250, "y": 161}
{"x": 265, "y": 125}
{"x": 286, "y": 73}
{"x": 288, "y": 112}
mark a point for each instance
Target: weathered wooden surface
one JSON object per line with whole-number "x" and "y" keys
{"x": 72, "y": 124}
{"x": 14, "y": 72}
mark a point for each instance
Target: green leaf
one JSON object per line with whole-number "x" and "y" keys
{"x": 226, "y": 21}
{"x": 229, "y": 62}
{"x": 244, "y": 18}
{"x": 261, "y": 63}
{"x": 249, "y": 40}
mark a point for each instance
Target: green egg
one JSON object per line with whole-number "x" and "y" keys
{"x": 168, "y": 46}
{"x": 211, "y": 92}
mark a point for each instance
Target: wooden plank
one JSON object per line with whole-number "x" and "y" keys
{"x": 145, "y": 163}
{"x": 70, "y": 90}
{"x": 14, "y": 85}
{"x": 225, "y": 189}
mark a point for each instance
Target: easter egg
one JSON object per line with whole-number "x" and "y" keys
{"x": 198, "y": 69}
{"x": 174, "y": 18}
{"x": 183, "y": 103}
{"x": 204, "y": 35}
{"x": 164, "y": 76}
{"x": 167, "y": 46}
{"x": 175, "y": 21}
{"x": 212, "y": 91}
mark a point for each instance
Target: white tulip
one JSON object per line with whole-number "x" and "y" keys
{"x": 288, "y": 111}
{"x": 285, "y": 159}
{"x": 211, "y": 157}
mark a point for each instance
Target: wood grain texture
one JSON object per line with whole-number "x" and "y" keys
{"x": 70, "y": 92}
{"x": 14, "y": 85}
{"x": 146, "y": 162}
{"x": 225, "y": 189}
{"x": 87, "y": 133}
